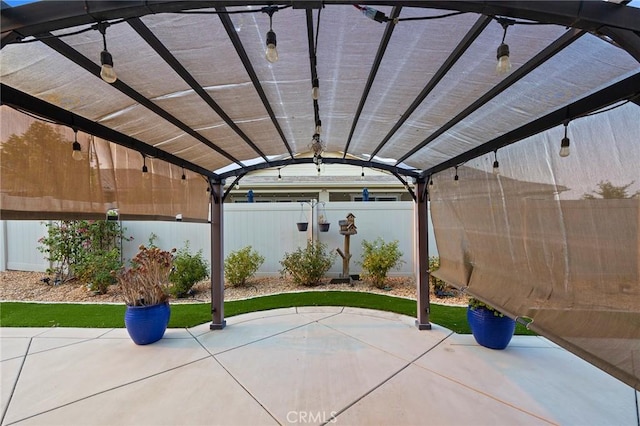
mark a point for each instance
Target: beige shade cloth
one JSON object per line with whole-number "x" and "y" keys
{"x": 554, "y": 240}
{"x": 39, "y": 178}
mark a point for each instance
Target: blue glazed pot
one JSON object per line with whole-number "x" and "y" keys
{"x": 147, "y": 324}
{"x": 490, "y": 330}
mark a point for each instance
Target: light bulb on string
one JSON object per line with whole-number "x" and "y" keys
{"x": 107, "y": 72}
{"x": 315, "y": 90}
{"x": 145, "y": 171}
{"x": 271, "y": 54}
{"x": 496, "y": 165}
{"x": 456, "y": 179}
{"x": 504, "y": 63}
{"x": 362, "y": 174}
{"x": 279, "y": 176}
{"x": 564, "y": 144}
{"x": 183, "y": 178}
{"x": 77, "y": 149}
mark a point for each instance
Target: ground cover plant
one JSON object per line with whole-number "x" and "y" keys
{"x": 29, "y": 314}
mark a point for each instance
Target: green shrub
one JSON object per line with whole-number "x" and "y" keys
{"x": 307, "y": 266}
{"x": 241, "y": 265}
{"x": 188, "y": 269}
{"x": 378, "y": 258}
{"x": 476, "y": 304}
{"x": 439, "y": 287}
{"x": 71, "y": 244}
{"x": 96, "y": 269}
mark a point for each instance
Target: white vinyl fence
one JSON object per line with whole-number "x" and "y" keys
{"x": 270, "y": 228}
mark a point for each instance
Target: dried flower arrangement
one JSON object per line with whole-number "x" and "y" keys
{"x": 146, "y": 283}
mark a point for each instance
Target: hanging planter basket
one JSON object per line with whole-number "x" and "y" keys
{"x": 323, "y": 225}
{"x": 112, "y": 215}
{"x": 303, "y": 222}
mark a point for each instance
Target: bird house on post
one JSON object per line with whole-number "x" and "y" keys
{"x": 347, "y": 228}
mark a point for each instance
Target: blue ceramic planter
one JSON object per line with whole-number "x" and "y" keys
{"x": 147, "y": 324}
{"x": 490, "y": 330}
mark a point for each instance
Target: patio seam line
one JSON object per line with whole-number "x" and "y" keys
{"x": 380, "y": 349}
{"x": 258, "y": 340}
{"x": 15, "y": 383}
{"x": 364, "y": 395}
{"x": 457, "y": 382}
{"x": 103, "y": 391}
{"x": 252, "y": 319}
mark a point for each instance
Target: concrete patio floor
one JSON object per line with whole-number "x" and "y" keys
{"x": 301, "y": 366}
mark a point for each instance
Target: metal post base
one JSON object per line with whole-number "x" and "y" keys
{"x": 213, "y": 326}
{"x": 426, "y": 326}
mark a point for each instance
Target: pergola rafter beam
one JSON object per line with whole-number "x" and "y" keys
{"x": 25, "y": 102}
{"x": 555, "y": 47}
{"x": 620, "y": 91}
{"x": 456, "y": 54}
{"x": 382, "y": 48}
{"x": 153, "y": 41}
{"x": 325, "y": 160}
{"x": 81, "y": 60}
{"x": 237, "y": 44}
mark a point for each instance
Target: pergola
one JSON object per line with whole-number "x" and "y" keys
{"x": 409, "y": 87}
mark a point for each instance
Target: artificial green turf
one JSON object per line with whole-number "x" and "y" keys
{"x": 19, "y": 314}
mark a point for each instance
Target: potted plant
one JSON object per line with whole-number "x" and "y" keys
{"x": 490, "y": 327}
{"x": 145, "y": 289}
{"x": 323, "y": 224}
{"x": 112, "y": 214}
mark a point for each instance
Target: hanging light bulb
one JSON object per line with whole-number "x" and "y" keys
{"x": 145, "y": 170}
{"x": 430, "y": 180}
{"x": 362, "y": 174}
{"x": 107, "y": 73}
{"x": 456, "y": 179}
{"x": 77, "y": 149}
{"x": 315, "y": 90}
{"x": 564, "y": 145}
{"x": 319, "y": 127}
{"x": 183, "y": 178}
{"x": 271, "y": 53}
{"x": 318, "y": 169}
{"x": 504, "y": 63}
{"x": 279, "y": 176}
{"x": 496, "y": 165}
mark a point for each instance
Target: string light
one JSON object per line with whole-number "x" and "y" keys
{"x": 564, "y": 144}
{"x": 279, "y": 175}
{"x": 271, "y": 54}
{"x": 77, "y": 149}
{"x": 145, "y": 170}
{"x": 496, "y": 165}
{"x": 315, "y": 90}
{"x": 456, "y": 179}
{"x": 107, "y": 73}
{"x": 183, "y": 179}
{"x": 362, "y": 174}
{"x": 504, "y": 63}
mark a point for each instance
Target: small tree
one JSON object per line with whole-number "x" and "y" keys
{"x": 378, "y": 258}
{"x": 307, "y": 266}
{"x": 241, "y": 265}
{"x": 607, "y": 190}
{"x": 187, "y": 270}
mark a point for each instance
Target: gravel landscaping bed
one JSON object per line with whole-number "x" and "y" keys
{"x": 28, "y": 286}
